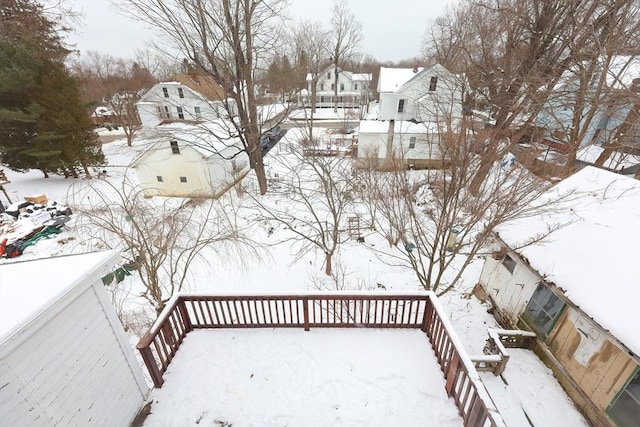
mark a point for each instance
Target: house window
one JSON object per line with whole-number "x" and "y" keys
{"x": 509, "y": 263}
{"x": 165, "y": 91}
{"x": 180, "y": 113}
{"x": 328, "y": 76}
{"x": 341, "y": 86}
{"x": 412, "y": 142}
{"x": 322, "y": 86}
{"x": 333, "y": 86}
{"x": 167, "y": 112}
{"x": 625, "y": 410}
{"x": 159, "y": 178}
{"x": 543, "y": 310}
{"x": 180, "y": 92}
{"x": 183, "y": 179}
{"x": 401, "y": 106}
{"x": 433, "y": 84}
{"x": 174, "y": 147}
{"x": 197, "y": 112}
{"x": 355, "y": 86}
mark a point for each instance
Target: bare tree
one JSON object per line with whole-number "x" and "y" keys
{"x": 162, "y": 237}
{"x": 519, "y": 51}
{"x": 319, "y": 196}
{"x": 227, "y": 39}
{"x": 308, "y": 40}
{"x": 117, "y": 82}
{"x": 345, "y": 36}
{"x": 436, "y": 223}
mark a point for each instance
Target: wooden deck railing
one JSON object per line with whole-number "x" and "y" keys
{"x": 187, "y": 312}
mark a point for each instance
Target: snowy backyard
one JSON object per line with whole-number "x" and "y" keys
{"x": 291, "y": 377}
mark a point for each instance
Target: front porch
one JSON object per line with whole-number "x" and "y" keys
{"x": 219, "y": 346}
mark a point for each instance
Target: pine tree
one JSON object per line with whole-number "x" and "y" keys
{"x": 42, "y": 122}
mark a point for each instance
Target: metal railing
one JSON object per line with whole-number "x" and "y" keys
{"x": 187, "y": 312}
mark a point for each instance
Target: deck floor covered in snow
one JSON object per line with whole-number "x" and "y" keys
{"x": 287, "y": 377}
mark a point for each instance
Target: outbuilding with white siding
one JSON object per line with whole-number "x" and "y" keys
{"x": 65, "y": 359}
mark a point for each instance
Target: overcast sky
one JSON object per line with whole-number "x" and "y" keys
{"x": 392, "y": 29}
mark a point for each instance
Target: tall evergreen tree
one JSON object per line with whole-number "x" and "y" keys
{"x": 42, "y": 122}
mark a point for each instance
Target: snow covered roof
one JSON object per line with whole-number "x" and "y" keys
{"x": 594, "y": 259}
{"x": 391, "y": 79}
{"x": 361, "y": 77}
{"x": 375, "y": 126}
{"x": 209, "y": 139}
{"x": 28, "y": 288}
{"x": 616, "y": 162}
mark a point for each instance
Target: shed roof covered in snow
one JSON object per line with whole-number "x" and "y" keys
{"x": 213, "y": 138}
{"x": 595, "y": 258}
{"x": 28, "y": 288}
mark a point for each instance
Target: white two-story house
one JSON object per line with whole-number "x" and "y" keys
{"x": 431, "y": 94}
{"x": 186, "y": 97}
{"x": 353, "y": 88}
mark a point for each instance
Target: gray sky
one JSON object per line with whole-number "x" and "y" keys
{"x": 392, "y": 29}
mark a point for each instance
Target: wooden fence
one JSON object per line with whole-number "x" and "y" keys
{"x": 187, "y": 312}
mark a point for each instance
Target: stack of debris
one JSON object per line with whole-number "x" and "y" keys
{"x": 25, "y": 223}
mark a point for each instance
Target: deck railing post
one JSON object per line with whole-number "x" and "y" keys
{"x": 452, "y": 373}
{"x": 184, "y": 315}
{"x": 425, "y": 316}
{"x": 152, "y": 366}
{"x": 305, "y": 310}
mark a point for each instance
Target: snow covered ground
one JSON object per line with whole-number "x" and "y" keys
{"x": 275, "y": 266}
{"x": 318, "y": 378}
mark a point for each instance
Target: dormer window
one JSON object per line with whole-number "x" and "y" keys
{"x": 174, "y": 147}
{"x": 433, "y": 84}
{"x": 165, "y": 91}
{"x": 180, "y": 92}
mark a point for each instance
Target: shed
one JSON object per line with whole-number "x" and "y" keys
{"x": 192, "y": 161}
{"x": 64, "y": 356}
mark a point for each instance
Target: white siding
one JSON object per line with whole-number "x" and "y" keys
{"x": 154, "y": 99}
{"x": 510, "y": 292}
{"x": 73, "y": 370}
{"x": 420, "y": 103}
{"x": 374, "y": 145}
{"x": 206, "y": 177}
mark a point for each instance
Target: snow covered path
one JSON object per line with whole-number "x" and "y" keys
{"x": 283, "y": 377}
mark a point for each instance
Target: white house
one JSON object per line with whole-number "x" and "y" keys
{"x": 579, "y": 291}
{"x": 431, "y": 94}
{"x": 186, "y": 160}
{"x": 353, "y": 88}
{"x": 415, "y": 145}
{"x": 187, "y": 97}
{"x": 65, "y": 359}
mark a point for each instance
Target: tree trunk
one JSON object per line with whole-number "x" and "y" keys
{"x": 328, "y": 260}
{"x": 335, "y": 89}
{"x": 623, "y": 130}
{"x": 44, "y": 172}
{"x": 86, "y": 170}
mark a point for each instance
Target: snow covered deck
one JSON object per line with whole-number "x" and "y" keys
{"x": 324, "y": 377}
{"x": 418, "y": 311}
